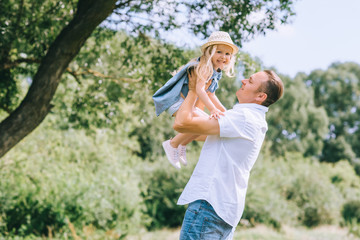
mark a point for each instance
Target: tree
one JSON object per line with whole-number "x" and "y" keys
{"x": 337, "y": 91}
{"x": 33, "y": 44}
{"x": 36, "y": 105}
{"x": 295, "y": 122}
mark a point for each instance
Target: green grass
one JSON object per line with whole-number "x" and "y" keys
{"x": 262, "y": 232}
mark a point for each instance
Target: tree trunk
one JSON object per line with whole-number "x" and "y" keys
{"x": 36, "y": 105}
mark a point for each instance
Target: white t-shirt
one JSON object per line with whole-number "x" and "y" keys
{"x": 222, "y": 172}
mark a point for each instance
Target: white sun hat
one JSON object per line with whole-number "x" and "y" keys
{"x": 220, "y": 38}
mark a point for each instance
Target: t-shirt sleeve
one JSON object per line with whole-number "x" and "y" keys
{"x": 235, "y": 124}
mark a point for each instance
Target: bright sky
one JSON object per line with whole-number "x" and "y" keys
{"x": 322, "y": 32}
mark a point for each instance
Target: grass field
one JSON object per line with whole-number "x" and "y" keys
{"x": 262, "y": 233}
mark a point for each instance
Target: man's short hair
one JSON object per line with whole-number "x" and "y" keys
{"x": 273, "y": 88}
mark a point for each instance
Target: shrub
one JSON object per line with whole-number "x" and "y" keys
{"x": 351, "y": 211}
{"x": 160, "y": 189}
{"x": 314, "y": 194}
{"x": 72, "y": 177}
{"x": 354, "y": 227}
{"x": 343, "y": 177}
{"x": 294, "y": 189}
{"x": 264, "y": 200}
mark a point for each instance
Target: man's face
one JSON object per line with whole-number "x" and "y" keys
{"x": 249, "y": 91}
{"x": 221, "y": 57}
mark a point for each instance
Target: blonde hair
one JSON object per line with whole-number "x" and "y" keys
{"x": 205, "y": 69}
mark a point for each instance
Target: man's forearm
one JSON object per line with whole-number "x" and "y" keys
{"x": 186, "y": 121}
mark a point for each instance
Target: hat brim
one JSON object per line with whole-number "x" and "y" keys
{"x": 234, "y": 47}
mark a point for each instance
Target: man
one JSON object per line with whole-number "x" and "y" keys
{"x": 217, "y": 188}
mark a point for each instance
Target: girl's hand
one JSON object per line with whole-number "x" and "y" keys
{"x": 215, "y": 113}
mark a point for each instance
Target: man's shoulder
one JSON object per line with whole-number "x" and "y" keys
{"x": 251, "y": 114}
{"x": 250, "y": 108}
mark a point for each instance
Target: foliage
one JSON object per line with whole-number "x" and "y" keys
{"x": 351, "y": 215}
{"x": 296, "y": 124}
{"x": 161, "y": 186}
{"x": 294, "y": 189}
{"x": 93, "y": 181}
{"x": 351, "y": 210}
{"x": 242, "y": 19}
{"x": 354, "y": 228}
{"x": 27, "y": 28}
{"x": 49, "y": 181}
{"x": 264, "y": 200}
{"x": 336, "y": 90}
{"x": 124, "y": 97}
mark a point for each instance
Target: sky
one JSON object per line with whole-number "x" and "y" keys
{"x": 321, "y": 33}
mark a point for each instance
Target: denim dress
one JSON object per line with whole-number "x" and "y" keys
{"x": 170, "y": 93}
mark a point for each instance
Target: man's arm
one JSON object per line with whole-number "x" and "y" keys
{"x": 187, "y": 122}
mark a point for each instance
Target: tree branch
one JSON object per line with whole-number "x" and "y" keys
{"x": 36, "y": 104}
{"x": 74, "y": 74}
{"x": 15, "y": 63}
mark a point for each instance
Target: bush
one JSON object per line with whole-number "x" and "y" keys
{"x": 312, "y": 191}
{"x": 351, "y": 211}
{"x": 161, "y": 187}
{"x": 344, "y": 178}
{"x": 265, "y": 202}
{"x": 294, "y": 189}
{"x": 56, "y": 177}
{"x": 354, "y": 227}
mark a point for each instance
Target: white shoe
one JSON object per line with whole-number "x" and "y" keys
{"x": 171, "y": 154}
{"x": 182, "y": 154}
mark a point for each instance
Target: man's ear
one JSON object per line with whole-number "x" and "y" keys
{"x": 261, "y": 97}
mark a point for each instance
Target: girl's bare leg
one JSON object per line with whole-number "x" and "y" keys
{"x": 183, "y": 139}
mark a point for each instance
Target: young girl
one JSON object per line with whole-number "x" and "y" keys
{"x": 217, "y": 55}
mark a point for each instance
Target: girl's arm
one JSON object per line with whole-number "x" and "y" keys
{"x": 186, "y": 121}
{"x": 200, "y": 91}
{"x": 214, "y": 99}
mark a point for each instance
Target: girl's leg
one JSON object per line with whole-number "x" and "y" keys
{"x": 175, "y": 148}
{"x": 179, "y": 142}
{"x": 186, "y": 138}
{"x": 182, "y": 139}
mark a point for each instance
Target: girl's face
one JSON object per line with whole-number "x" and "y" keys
{"x": 221, "y": 57}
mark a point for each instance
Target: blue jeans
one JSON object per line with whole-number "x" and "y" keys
{"x": 202, "y": 222}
